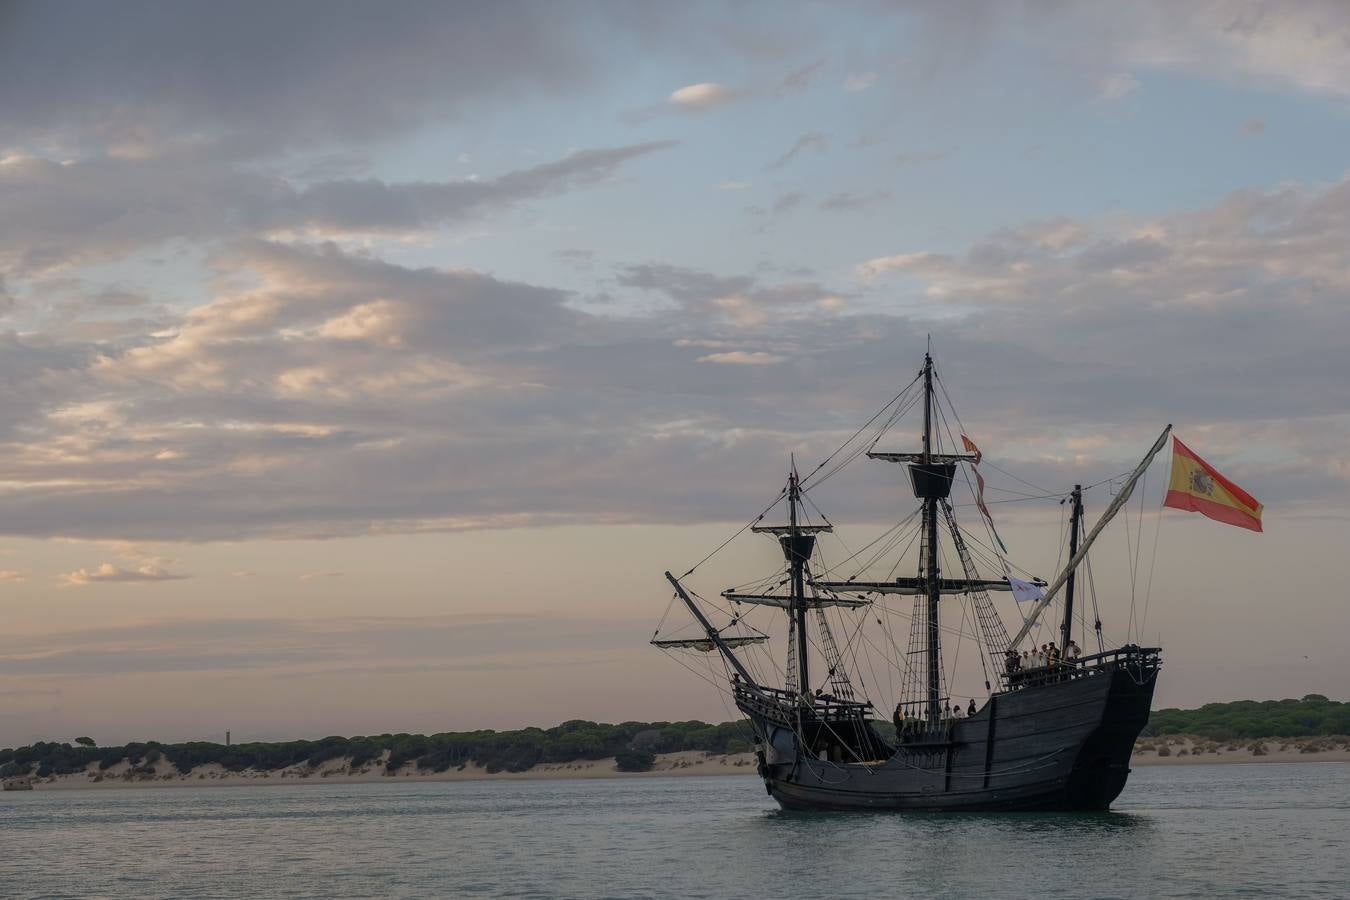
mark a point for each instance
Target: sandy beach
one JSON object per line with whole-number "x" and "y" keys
{"x": 1179, "y": 751}
{"x": 689, "y": 762}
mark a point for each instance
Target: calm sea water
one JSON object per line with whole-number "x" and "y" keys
{"x": 1196, "y": 831}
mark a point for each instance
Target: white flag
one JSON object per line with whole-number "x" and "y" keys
{"x": 1024, "y": 590}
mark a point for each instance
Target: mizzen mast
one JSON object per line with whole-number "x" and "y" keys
{"x": 1121, "y": 498}
{"x": 1075, "y": 526}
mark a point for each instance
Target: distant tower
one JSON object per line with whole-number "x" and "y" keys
{"x": 227, "y": 739}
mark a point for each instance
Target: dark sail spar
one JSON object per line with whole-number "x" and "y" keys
{"x": 1055, "y": 736}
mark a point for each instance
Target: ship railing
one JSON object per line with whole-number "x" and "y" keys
{"x": 917, "y": 727}
{"x": 782, "y": 705}
{"x": 1131, "y": 656}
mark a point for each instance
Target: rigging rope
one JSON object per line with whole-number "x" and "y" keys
{"x": 743, "y": 529}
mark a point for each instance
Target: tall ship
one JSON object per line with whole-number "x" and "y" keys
{"x": 805, "y": 650}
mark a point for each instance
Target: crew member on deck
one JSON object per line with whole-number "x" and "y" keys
{"x": 899, "y": 720}
{"x": 1052, "y": 655}
{"x": 971, "y": 711}
{"x": 1073, "y": 651}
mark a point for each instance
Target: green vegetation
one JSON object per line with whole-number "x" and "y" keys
{"x": 496, "y": 751}
{"x": 1314, "y": 715}
{"x": 633, "y": 745}
{"x": 634, "y": 760}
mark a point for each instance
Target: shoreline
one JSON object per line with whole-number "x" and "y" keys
{"x": 1181, "y": 751}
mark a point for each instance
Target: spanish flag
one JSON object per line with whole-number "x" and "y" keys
{"x": 1198, "y": 487}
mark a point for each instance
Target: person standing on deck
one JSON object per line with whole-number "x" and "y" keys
{"x": 971, "y": 711}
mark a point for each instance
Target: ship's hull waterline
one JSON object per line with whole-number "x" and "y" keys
{"x": 1057, "y": 746}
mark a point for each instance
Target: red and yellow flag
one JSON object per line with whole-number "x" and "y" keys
{"x": 1198, "y": 487}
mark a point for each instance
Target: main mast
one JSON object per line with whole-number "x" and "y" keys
{"x": 934, "y": 576}
{"x": 930, "y": 475}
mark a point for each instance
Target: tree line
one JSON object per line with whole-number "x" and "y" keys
{"x": 633, "y": 744}
{"x": 1313, "y": 715}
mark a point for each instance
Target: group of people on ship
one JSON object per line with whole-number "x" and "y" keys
{"x": 1047, "y": 657}
{"x": 909, "y": 727}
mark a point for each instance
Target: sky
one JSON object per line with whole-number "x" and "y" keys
{"x": 364, "y": 366}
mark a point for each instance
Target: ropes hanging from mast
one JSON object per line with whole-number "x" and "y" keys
{"x": 1120, "y": 500}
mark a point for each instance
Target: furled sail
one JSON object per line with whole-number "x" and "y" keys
{"x": 785, "y": 602}
{"x": 706, "y": 645}
{"x": 914, "y": 586}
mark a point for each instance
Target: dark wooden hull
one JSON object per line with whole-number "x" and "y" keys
{"x": 1061, "y": 745}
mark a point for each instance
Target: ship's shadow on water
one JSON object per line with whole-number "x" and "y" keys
{"x": 1045, "y": 823}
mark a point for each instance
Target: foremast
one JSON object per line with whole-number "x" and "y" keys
{"x": 798, "y": 542}
{"x": 797, "y": 547}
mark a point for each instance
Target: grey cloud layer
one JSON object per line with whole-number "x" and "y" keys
{"x": 339, "y": 394}
{"x": 321, "y": 391}
{"x": 252, "y": 75}
{"x": 58, "y": 213}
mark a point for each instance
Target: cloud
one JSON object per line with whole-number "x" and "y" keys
{"x": 847, "y": 201}
{"x": 897, "y": 263}
{"x": 783, "y": 204}
{"x": 800, "y": 78}
{"x": 744, "y": 358}
{"x": 1254, "y": 127}
{"x": 1117, "y": 87}
{"x": 738, "y": 299}
{"x": 12, "y": 575}
{"x": 71, "y": 212}
{"x": 701, "y": 97}
{"x": 320, "y": 392}
{"x": 107, "y": 573}
{"x": 812, "y": 140}
{"x": 1299, "y": 46}
{"x": 860, "y": 81}
{"x": 257, "y": 76}
{"x": 581, "y": 259}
